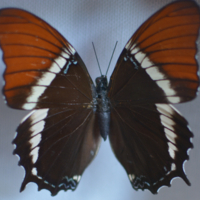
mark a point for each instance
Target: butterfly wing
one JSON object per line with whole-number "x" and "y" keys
{"x": 56, "y": 145}
{"x": 41, "y": 66}
{"x": 160, "y": 55}
{"x": 151, "y": 142}
{"x": 157, "y": 67}
{"x": 58, "y": 140}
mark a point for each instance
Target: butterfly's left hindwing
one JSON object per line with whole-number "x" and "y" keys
{"x": 55, "y": 146}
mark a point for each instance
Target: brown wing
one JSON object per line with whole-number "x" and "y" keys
{"x": 157, "y": 66}
{"x": 55, "y": 146}
{"x": 151, "y": 142}
{"x": 57, "y": 141}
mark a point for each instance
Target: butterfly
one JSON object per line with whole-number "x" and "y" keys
{"x": 69, "y": 114}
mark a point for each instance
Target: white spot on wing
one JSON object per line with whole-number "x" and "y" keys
{"x": 36, "y": 129}
{"x": 77, "y": 178}
{"x": 173, "y": 167}
{"x": 154, "y": 73}
{"x": 34, "y": 141}
{"x": 34, "y": 171}
{"x": 166, "y": 109}
{"x": 146, "y": 62}
{"x": 36, "y": 92}
{"x": 166, "y": 113}
{"x": 134, "y": 50}
{"x": 167, "y": 122}
{"x": 72, "y": 50}
{"x": 140, "y": 56}
{"x": 39, "y": 115}
{"x": 29, "y": 106}
{"x": 172, "y": 149}
{"x": 128, "y": 44}
{"x": 174, "y": 99}
{"x": 171, "y": 136}
{"x": 34, "y": 154}
{"x": 46, "y": 79}
{"x": 165, "y": 85}
{"x": 131, "y": 177}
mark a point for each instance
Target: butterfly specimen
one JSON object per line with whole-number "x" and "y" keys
{"x": 70, "y": 114}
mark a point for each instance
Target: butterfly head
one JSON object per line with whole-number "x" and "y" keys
{"x": 101, "y": 84}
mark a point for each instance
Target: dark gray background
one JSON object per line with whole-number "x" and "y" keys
{"x": 104, "y": 22}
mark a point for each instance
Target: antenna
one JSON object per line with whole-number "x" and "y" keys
{"x": 97, "y": 58}
{"x": 111, "y": 58}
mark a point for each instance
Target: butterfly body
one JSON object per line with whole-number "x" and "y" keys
{"x": 103, "y": 105}
{"x": 69, "y": 115}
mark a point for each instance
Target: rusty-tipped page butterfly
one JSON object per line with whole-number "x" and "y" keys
{"x": 69, "y": 114}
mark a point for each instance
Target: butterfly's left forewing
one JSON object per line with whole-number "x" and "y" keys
{"x": 42, "y": 68}
{"x": 157, "y": 67}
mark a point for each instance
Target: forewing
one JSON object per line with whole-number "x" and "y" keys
{"x": 43, "y": 70}
{"x": 55, "y": 146}
{"x": 158, "y": 63}
{"x": 152, "y": 143}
